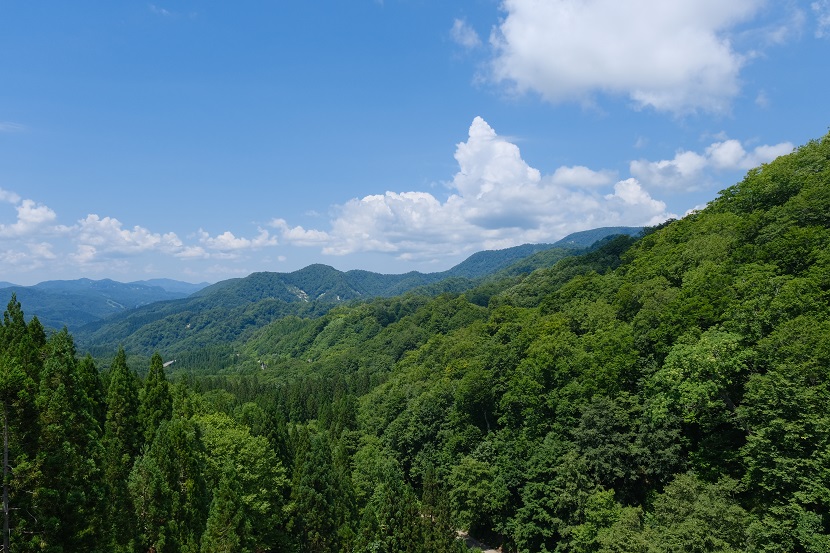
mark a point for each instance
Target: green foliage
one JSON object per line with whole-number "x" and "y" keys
{"x": 67, "y": 464}
{"x": 169, "y": 491}
{"x": 318, "y": 511}
{"x": 156, "y": 403}
{"x": 258, "y": 477}
{"x": 228, "y": 528}
{"x": 121, "y": 442}
{"x": 691, "y": 515}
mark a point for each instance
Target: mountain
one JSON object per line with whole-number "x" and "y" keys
{"x": 4, "y": 284}
{"x": 73, "y": 303}
{"x": 175, "y": 286}
{"x": 587, "y": 238}
{"x": 231, "y": 309}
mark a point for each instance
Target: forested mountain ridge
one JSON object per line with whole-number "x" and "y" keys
{"x": 230, "y": 310}
{"x": 666, "y": 393}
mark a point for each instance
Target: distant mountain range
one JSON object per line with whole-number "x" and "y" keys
{"x": 73, "y": 303}
{"x": 149, "y": 314}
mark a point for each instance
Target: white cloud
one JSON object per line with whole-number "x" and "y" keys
{"x": 497, "y": 200}
{"x": 629, "y": 194}
{"x": 582, "y": 176}
{"x": 8, "y": 196}
{"x": 691, "y": 171}
{"x": 464, "y": 35}
{"x": 42, "y": 250}
{"x": 731, "y": 155}
{"x": 98, "y": 238}
{"x": 298, "y": 235}
{"x": 31, "y": 216}
{"x": 685, "y": 171}
{"x": 227, "y": 242}
{"x": 822, "y": 12}
{"x": 672, "y": 56}
{"x": 192, "y": 252}
{"x": 37, "y": 239}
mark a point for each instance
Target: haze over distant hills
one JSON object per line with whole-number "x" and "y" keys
{"x": 73, "y": 303}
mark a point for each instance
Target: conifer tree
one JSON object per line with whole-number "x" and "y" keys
{"x": 120, "y": 449}
{"x": 156, "y": 402}
{"x": 228, "y": 528}
{"x": 67, "y": 486}
{"x": 169, "y": 491}
{"x": 90, "y": 385}
{"x": 314, "y": 516}
{"x": 20, "y": 365}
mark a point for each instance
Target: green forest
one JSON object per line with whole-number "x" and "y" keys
{"x": 665, "y": 393}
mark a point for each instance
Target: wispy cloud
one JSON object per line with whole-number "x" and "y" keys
{"x": 8, "y": 126}
{"x": 464, "y": 35}
{"x": 158, "y": 10}
{"x": 821, "y": 9}
{"x": 9, "y": 196}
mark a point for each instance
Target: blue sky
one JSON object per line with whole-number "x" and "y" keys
{"x": 204, "y": 140}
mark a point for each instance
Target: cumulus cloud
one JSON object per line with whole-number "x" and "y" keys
{"x": 684, "y": 171}
{"x": 690, "y": 170}
{"x": 35, "y": 238}
{"x": 464, "y": 35}
{"x": 580, "y": 175}
{"x": 731, "y": 155}
{"x": 99, "y": 238}
{"x": 227, "y": 242}
{"x": 632, "y": 199}
{"x": 298, "y": 235}
{"x": 30, "y": 216}
{"x": 671, "y": 56}
{"x": 497, "y": 200}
